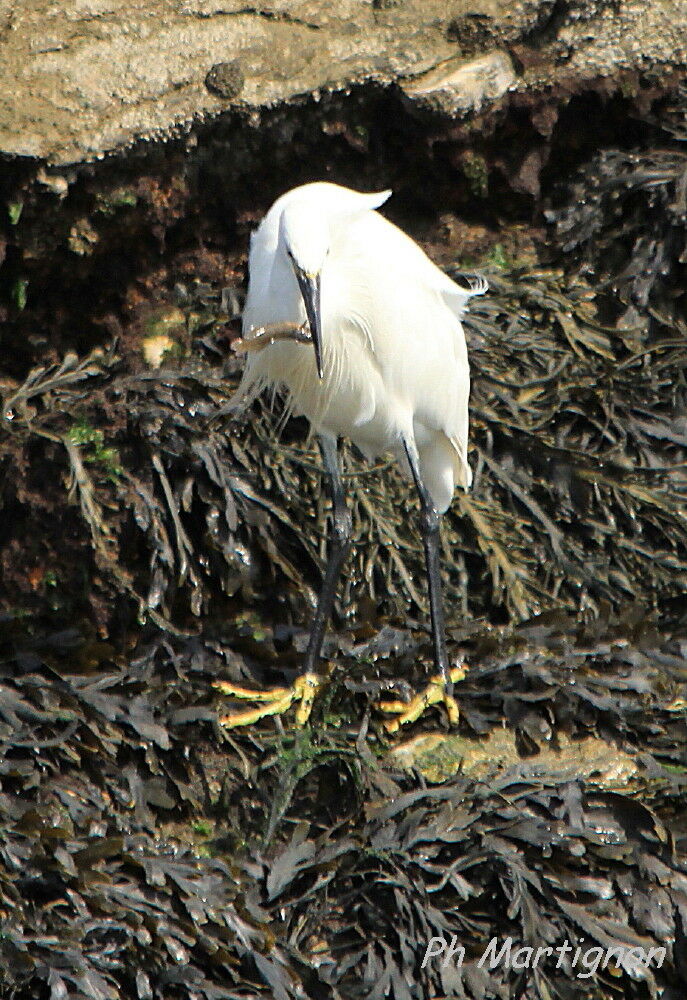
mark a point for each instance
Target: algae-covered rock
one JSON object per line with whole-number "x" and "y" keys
{"x": 438, "y": 756}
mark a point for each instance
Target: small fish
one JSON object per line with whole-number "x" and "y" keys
{"x": 263, "y": 336}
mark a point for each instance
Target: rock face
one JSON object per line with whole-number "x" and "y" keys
{"x": 82, "y": 78}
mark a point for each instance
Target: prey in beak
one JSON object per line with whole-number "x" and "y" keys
{"x": 309, "y": 285}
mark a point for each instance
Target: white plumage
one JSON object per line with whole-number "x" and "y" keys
{"x": 386, "y": 366}
{"x": 394, "y": 360}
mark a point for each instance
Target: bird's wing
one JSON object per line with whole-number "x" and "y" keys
{"x": 396, "y": 251}
{"x": 413, "y": 257}
{"x": 410, "y": 312}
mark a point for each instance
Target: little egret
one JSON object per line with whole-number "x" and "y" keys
{"x": 384, "y": 364}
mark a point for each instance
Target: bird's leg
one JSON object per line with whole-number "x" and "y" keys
{"x": 440, "y": 687}
{"x": 308, "y": 682}
{"x": 339, "y": 544}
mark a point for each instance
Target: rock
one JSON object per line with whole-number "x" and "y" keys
{"x": 226, "y": 79}
{"x": 83, "y": 78}
{"x": 438, "y": 756}
{"x": 157, "y": 348}
{"x": 460, "y": 85}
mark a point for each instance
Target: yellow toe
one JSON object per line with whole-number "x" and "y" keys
{"x": 434, "y": 694}
{"x": 250, "y": 694}
{"x": 274, "y": 701}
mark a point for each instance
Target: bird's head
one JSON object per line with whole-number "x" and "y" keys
{"x": 305, "y": 238}
{"x": 309, "y": 216}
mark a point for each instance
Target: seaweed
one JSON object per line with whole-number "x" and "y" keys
{"x": 157, "y": 539}
{"x": 145, "y": 853}
{"x": 577, "y": 446}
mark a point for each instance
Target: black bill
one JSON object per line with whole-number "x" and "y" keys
{"x": 309, "y": 285}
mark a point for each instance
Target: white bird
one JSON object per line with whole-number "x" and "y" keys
{"x": 389, "y": 371}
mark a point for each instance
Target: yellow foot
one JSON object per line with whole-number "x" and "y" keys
{"x": 433, "y": 694}
{"x": 276, "y": 701}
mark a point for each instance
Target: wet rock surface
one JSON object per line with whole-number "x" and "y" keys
{"x": 86, "y": 77}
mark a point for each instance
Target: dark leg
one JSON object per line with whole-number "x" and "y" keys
{"x": 429, "y": 523}
{"x": 439, "y": 690}
{"x": 305, "y": 687}
{"x": 339, "y": 544}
